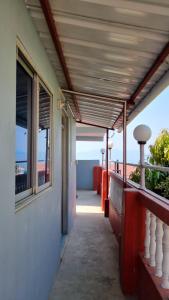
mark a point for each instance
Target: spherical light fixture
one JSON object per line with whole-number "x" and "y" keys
{"x": 102, "y": 150}
{"x": 110, "y": 145}
{"x": 142, "y": 134}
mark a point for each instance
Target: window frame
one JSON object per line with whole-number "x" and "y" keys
{"x": 29, "y": 191}
{"x": 49, "y": 183}
{"x": 36, "y": 81}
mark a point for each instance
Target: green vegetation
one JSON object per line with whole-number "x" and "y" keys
{"x": 163, "y": 187}
{"x": 157, "y": 181}
{"x": 160, "y": 150}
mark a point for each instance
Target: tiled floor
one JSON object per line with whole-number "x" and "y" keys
{"x": 89, "y": 268}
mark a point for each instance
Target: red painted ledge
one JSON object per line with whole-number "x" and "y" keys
{"x": 150, "y": 285}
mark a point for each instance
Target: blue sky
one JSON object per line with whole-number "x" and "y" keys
{"x": 155, "y": 115}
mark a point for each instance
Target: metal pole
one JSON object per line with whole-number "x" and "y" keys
{"x": 117, "y": 167}
{"x": 110, "y": 155}
{"x": 142, "y": 169}
{"x": 106, "y": 213}
{"x": 124, "y": 144}
{"x": 107, "y": 161}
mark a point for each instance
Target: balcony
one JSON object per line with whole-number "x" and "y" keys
{"x": 97, "y": 64}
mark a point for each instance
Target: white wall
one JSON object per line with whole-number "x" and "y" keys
{"x": 30, "y": 239}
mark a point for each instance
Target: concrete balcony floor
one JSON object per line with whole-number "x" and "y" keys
{"x": 89, "y": 269}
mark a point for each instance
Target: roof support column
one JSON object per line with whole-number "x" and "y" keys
{"x": 124, "y": 143}
{"x": 106, "y": 212}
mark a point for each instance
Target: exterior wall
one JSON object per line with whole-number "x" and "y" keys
{"x": 85, "y": 174}
{"x": 30, "y": 238}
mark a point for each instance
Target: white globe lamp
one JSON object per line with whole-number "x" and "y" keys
{"x": 102, "y": 150}
{"x": 110, "y": 146}
{"x": 142, "y": 134}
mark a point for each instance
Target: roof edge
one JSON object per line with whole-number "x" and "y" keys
{"x": 161, "y": 85}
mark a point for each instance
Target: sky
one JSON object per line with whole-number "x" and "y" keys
{"x": 155, "y": 115}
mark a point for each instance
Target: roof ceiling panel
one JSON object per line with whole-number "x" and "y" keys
{"x": 86, "y": 30}
{"x": 146, "y": 14}
{"x": 109, "y": 48}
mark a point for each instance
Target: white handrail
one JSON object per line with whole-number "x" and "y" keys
{"x": 147, "y": 166}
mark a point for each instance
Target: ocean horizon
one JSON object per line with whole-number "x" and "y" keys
{"x": 132, "y": 156}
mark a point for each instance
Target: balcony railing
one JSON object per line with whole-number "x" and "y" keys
{"x": 117, "y": 167}
{"x": 140, "y": 221}
{"x": 157, "y": 239}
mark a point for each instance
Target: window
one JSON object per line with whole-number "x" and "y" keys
{"x": 23, "y": 170}
{"x": 33, "y": 132}
{"x": 43, "y": 161}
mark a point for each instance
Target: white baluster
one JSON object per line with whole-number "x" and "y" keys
{"x": 165, "y": 263}
{"x": 152, "y": 239}
{"x": 147, "y": 235}
{"x": 159, "y": 250}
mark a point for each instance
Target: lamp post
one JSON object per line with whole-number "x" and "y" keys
{"x": 142, "y": 134}
{"x": 102, "y": 152}
{"x": 110, "y": 146}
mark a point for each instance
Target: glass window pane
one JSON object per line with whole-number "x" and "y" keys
{"x": 23, "y": 130}
{"x": 43, "y": 166}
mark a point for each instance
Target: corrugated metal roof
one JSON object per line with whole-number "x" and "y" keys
{"x": 109, "y": 46}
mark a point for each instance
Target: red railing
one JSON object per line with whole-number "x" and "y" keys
{"x": 146, "y": 276}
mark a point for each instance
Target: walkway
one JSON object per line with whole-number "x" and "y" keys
{"x": 89, "y": 269}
